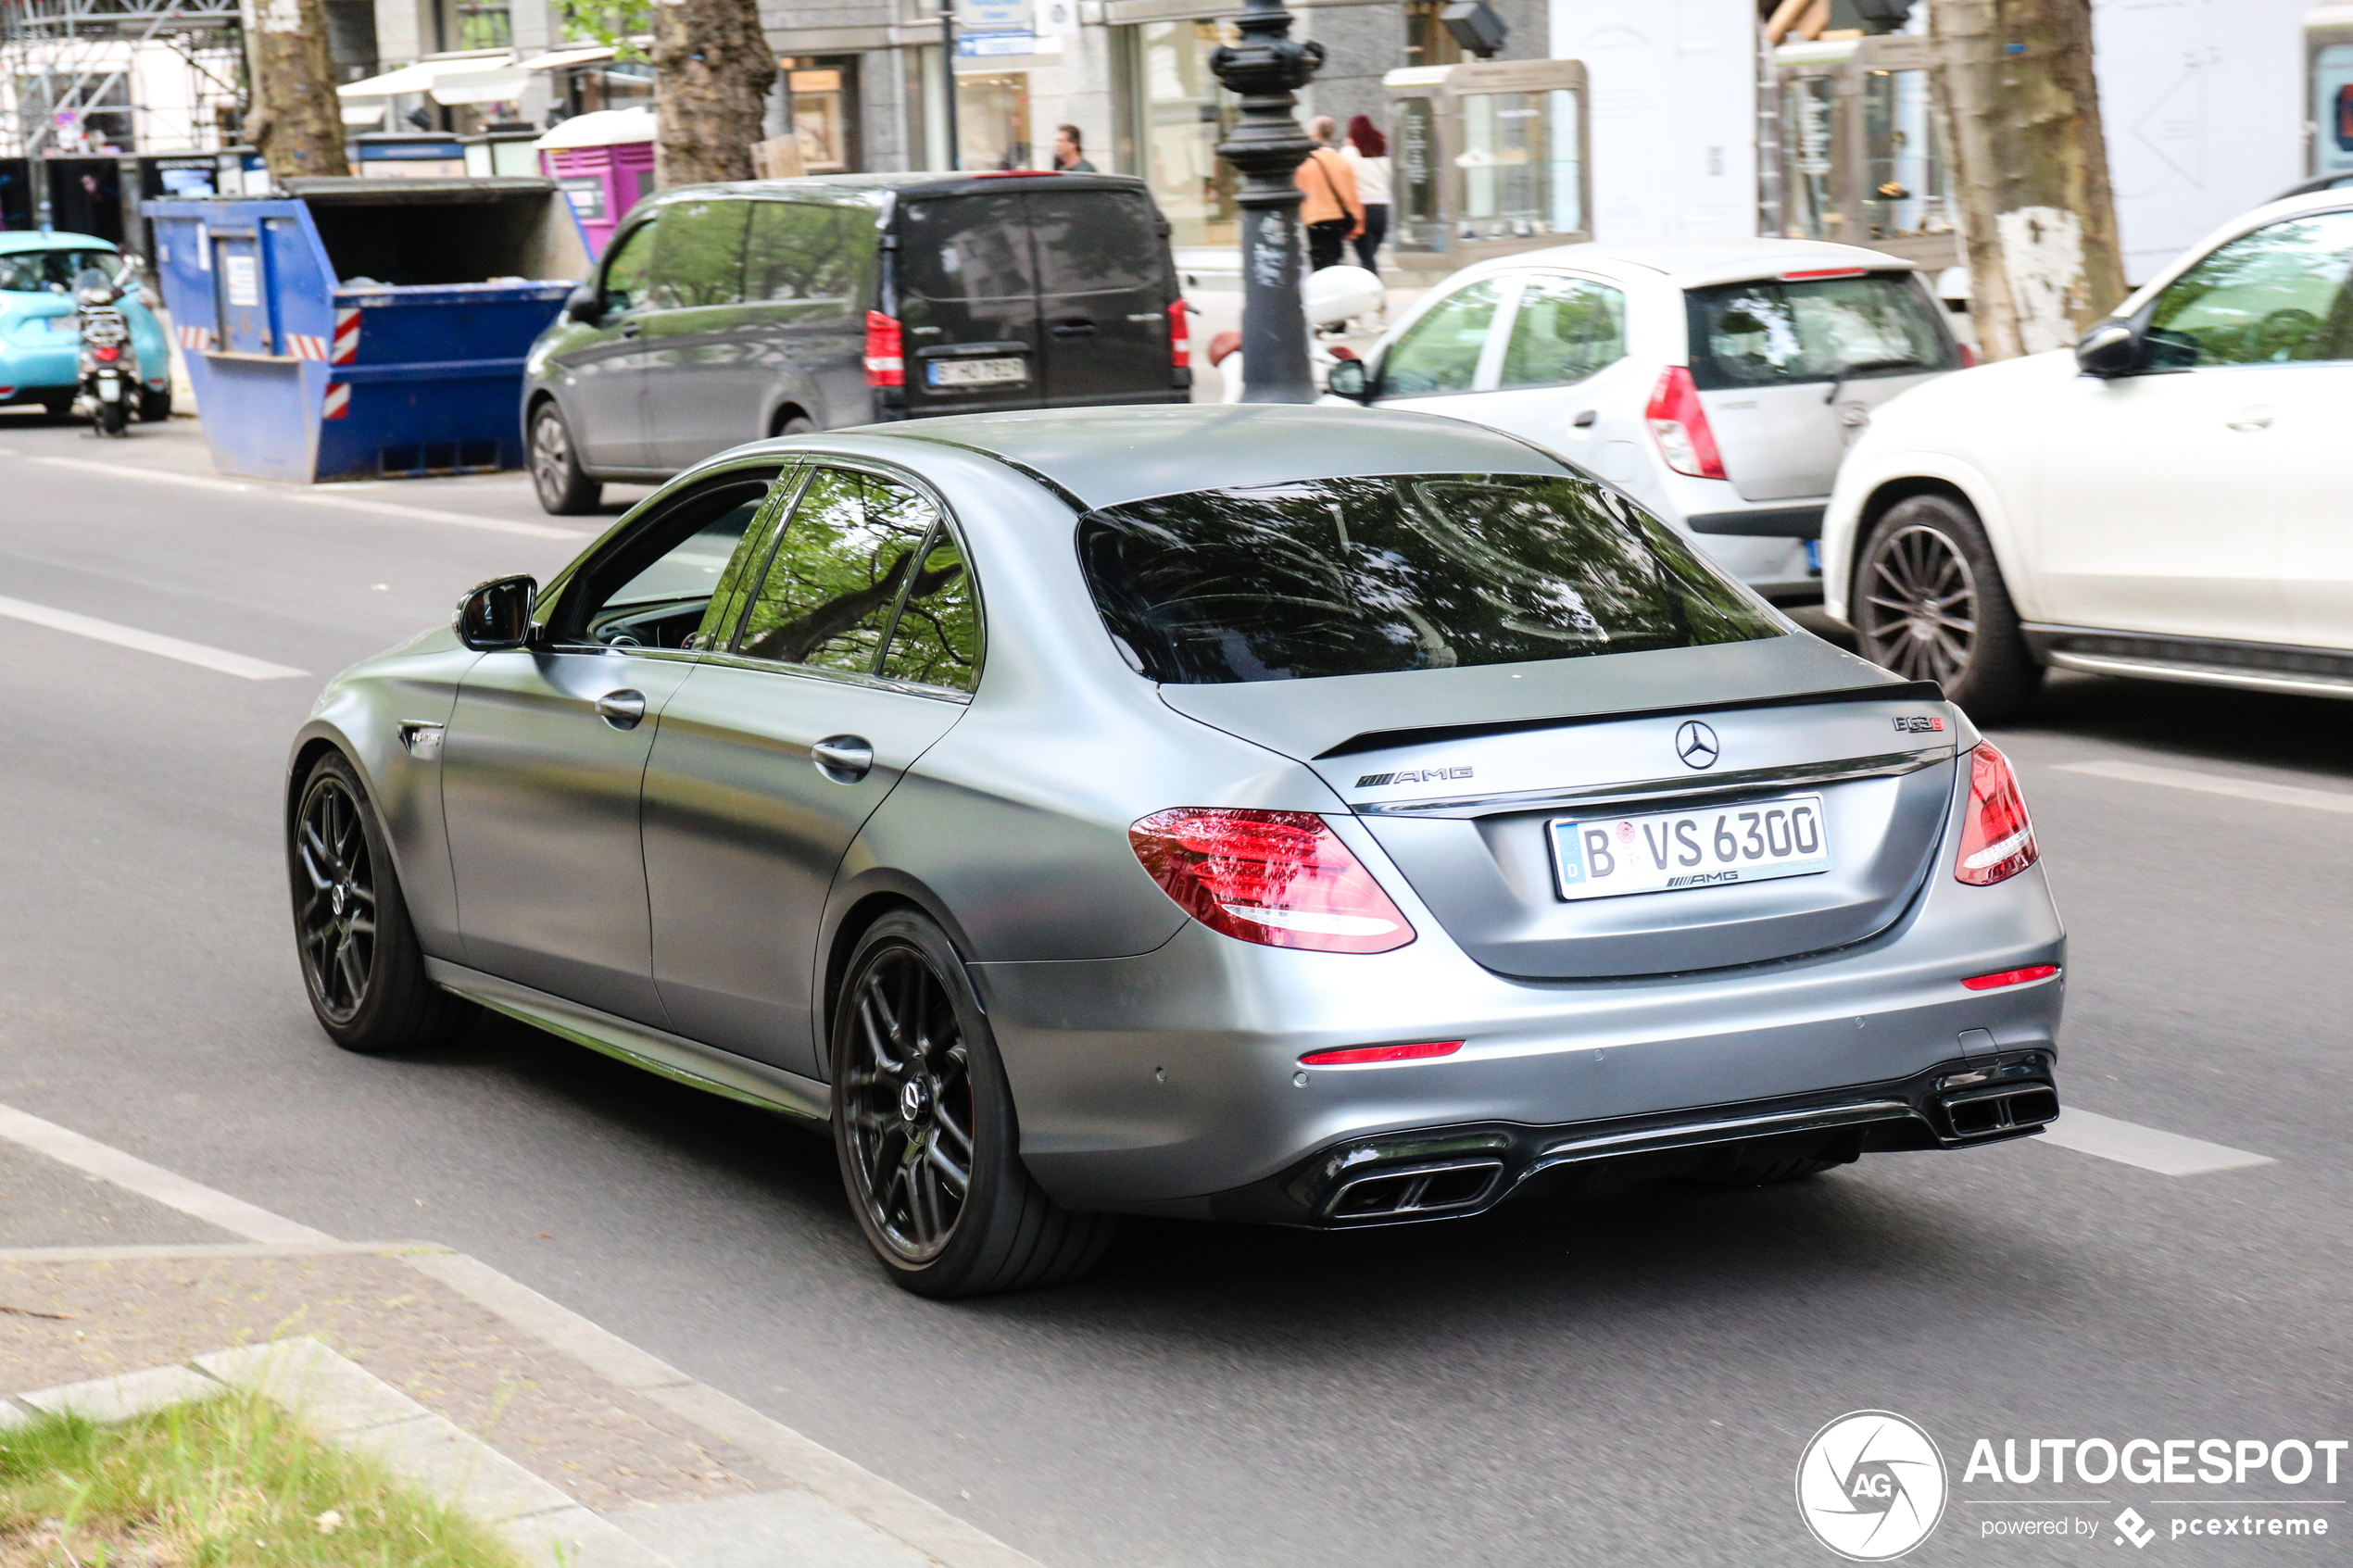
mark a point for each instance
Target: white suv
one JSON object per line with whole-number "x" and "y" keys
{"x": 1716, "y": 381}
{"x": 2166, "y": 501}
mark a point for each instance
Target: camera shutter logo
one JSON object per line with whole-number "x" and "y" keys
{"x": 1871, "y": 1485}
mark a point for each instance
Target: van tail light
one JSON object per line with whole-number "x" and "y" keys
{"x": 1279, "y": 878}
{"x": 1181, "y": 338}
{"x": 886, "y": 363}
{"x": 106, "y": 352}
{"x": 1680, "y": 426}
{"x": 1997, "y": 837}
{"x": 1968, "y": 357}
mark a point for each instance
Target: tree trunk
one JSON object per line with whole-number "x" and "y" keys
{"x": 712, "y": 74}
{"x": 2030, "y": 167}
{"x": 296, "y": 119}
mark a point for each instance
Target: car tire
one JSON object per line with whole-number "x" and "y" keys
{"x": 564, "y": 490}
{"x": 916, "y": 1073}
{"x": 58, "y": 408}
{"x": 154, "y": 407}
{"x": 361, "y": 966}
{"x": 1929, "y": 604}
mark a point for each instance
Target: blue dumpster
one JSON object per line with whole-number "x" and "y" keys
{"x": 359, "y": 329}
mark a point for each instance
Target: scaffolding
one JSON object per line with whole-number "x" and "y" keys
{"x": 88, "y": 78}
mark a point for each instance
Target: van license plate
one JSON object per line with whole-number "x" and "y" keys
{"x": 977, "y": 372}
{"x": 1662, "y": 851}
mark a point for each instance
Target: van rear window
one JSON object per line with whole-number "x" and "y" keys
{"x": 1419, "y": 571}
{"x": 1775, "y": 334}
{"x": 967, "y": 248}
{"x": 1095, "y": 241}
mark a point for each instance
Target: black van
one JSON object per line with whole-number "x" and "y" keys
{"x": 722, "y": 314}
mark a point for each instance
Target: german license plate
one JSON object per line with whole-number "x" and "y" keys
{"x": 1663, "y": 851}
{"x": 977, "y": 372}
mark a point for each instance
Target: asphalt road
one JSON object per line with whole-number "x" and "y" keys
{"x": 1630, "y": 1381}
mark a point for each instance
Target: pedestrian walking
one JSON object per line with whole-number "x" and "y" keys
{"x": 1332, "y": 211}
{"x": 1367, "y": 156}
{"x": 1070, "y": 151}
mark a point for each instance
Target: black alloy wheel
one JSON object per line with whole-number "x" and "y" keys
{"x": 361, "y": 961}
{"x": 1929, "y": 604}
{"x": 924, "y": 1126}
{"x": 563, "y": 488}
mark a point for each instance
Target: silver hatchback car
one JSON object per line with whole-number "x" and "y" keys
{"x": 1320, "y": 817}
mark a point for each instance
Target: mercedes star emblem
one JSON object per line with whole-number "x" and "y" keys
{"x": 1696, "y": 745}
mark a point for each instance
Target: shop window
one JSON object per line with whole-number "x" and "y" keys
{"x": 1810, "y": 106}
{"x": 1521, "y": 164}
{"x": 1906, "y": 184}
{"x": 992, "y": 120}
{"x": 1427, "y": 41}
{"x": 1181, "y": 115}
{"x": 824, "y": 112}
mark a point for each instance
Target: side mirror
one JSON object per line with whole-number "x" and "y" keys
{"x": 2110, "y": 349}
{"x": 497, "y": 614}
{"x": 1349, "y": 379}
{"x": 582, "y": 304}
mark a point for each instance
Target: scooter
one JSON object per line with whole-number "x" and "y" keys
{"x": 1331, "y": 297}
{"x": 108, "y": 365}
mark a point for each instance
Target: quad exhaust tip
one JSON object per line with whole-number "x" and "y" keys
{"x": 1450, "y": 1186}
{"x": 2001, "y": 1110}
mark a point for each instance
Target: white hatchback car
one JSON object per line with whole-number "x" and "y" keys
{"x": 2166, "y": 501}
{"x": 1716, "y": 381}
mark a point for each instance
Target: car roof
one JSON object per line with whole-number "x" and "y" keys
{"x": 871, "y": 190}
{"x": 1106, "y": 456}
{"x": 32, "y": 239}
{"x": 1691, "y": 263}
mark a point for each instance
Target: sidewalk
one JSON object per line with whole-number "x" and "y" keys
{"x": 100, "y": 1279}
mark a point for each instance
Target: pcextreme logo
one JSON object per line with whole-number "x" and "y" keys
{"x": 1871, "y": 1485}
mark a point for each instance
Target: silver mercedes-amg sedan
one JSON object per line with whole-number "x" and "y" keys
{"x": 1308, "y": 816}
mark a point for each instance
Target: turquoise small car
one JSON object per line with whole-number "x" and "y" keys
{"x": 38, "y": 340}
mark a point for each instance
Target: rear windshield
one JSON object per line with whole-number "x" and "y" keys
{"x": 1421, "y": 571}
{"x": 29, "y": 271}
{"x": 967, "y": 248}
{"x": 1815, "y": 330}
{"x": 1045, "y": 240}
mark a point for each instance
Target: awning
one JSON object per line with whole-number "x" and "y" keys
{"x": 422, "y": 76}
{"x": 358, "y": 116}
{"x": 603, "y": 128}
{"x": 557, "y": 60}
{"x": 472, "y": 88}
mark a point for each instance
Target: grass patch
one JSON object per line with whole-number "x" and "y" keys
{"x": 230, "y": 1481}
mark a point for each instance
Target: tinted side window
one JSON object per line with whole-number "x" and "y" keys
{"x": 1566, "y": 329}
{"x": 1094, "y": 241}
{"x": 967, "y": 248}
{"x": 1775, "y": 334}
{"x": 936, "y": 640}
{"x": 1439, "y": 352}
{"x": 698, "y": 255}
{"x": 627, "y": 268}
{"x": 834, "y": 579}
{"x": 816, "y": 257}
{"x": 2274, "y": 296}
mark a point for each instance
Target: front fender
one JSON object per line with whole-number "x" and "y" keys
{"x": 1866, "y": 474}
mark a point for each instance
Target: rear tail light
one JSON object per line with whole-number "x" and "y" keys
{"x": 1181, "y": 338}
{"x": 2011, "y": 977}
{"x": 106, "y": 352}
{"x": 1997, "y": 837}
{"x": 1279, "y": 878}
{"x": 886, "y": 365}
{"x": 1680, "y": 426}
{"x": 1349, "y": 1056}
{"x": 1968, "y": 357}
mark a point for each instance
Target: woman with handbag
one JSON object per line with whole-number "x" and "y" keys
{"x": 1330, "y": 208}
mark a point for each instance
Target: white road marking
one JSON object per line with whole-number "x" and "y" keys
{"x": 2128, "y": 1143}
{"x": 2214, "y": 783}
{"x": 147, "y": 642}
{"x": 167, "y": 1187}
{"x": 304, "y": 495}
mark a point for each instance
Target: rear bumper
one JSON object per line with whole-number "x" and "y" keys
{"x": 1170, "y": 1082}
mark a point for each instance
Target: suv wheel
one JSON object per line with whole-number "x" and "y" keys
{"x": 556, "y": 474}
{"x": 1929, "y": 604}
{"x": 924, "y": 1126}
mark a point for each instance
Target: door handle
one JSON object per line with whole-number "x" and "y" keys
{"x": 2252, "y": 418}
{"x": 843, "y": 758}
{"x": 631, "y": 329}
{"x": 622, "y": 709}
{"x": 1585, "y": 420}
{"x": 1072, "y": 328}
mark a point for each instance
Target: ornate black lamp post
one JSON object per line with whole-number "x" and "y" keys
{"x": 1265, "y": 70}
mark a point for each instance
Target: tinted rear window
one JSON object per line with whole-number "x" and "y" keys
{"x": 967, "y": 248}
{"x": 1095, "y": 241}
{"x": 1778, "y": 333}
{"x": 1423, "y": 571}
